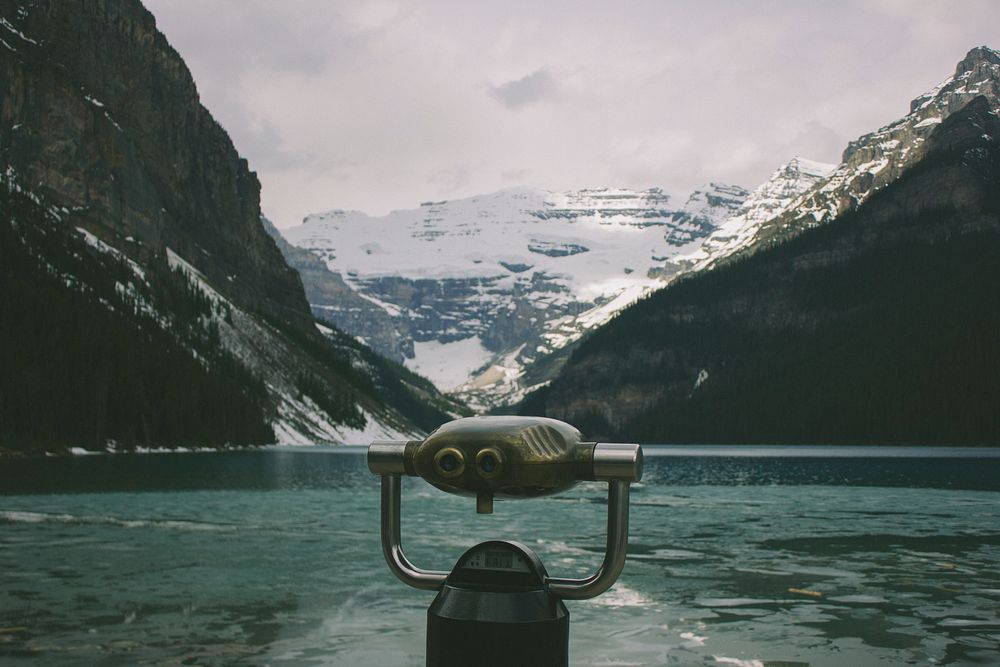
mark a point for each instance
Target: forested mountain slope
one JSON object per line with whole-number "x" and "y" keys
{"x": 879, "y": 327}
{"x": 143, "y": 302}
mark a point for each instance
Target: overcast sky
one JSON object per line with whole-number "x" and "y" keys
{"x": 376, "y": 105}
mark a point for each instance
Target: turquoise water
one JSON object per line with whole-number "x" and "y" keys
{"x": 738, "y": 556}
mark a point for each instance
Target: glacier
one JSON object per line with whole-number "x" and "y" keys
{"x": 479, "y": 288}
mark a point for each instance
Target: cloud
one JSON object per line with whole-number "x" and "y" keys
{"x": 450, "y": 179}
{"x": 381, "y": 104}
{"x": 815, "y": 141}
{"x": 536, "y": 87}
{"x": 515, "y": 175}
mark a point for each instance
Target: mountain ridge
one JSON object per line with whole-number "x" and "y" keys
{"x": 491, "y": 375}
{"x": 876, "y": 159}
{"x": 799, "y": 195}
{"x": 544, "y": 260}
{"x": 873, "y": 328}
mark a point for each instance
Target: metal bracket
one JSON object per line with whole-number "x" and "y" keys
{"x": 614, "y": 551}
{"x": 619, "y": 465}
{"x": 392, "y": 549}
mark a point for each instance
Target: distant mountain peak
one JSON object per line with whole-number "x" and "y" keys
{"x": 878, "y": 158}
{"x": 978, "y": 72}
{"x": 765, "y": 203}
{"x": 801, "y": 166}
{"x": 471, "y": 291}
{"x": 976, "y": 57}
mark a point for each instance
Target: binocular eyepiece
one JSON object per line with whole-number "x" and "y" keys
{"x": 506, "y": 457}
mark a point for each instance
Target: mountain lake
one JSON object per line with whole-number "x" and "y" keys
{"x": 738, "y": 556}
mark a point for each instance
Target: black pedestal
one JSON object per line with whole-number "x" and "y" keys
{"x": 494, "y": 611}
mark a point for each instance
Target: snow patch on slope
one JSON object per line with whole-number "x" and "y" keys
{"x": 299, "y": 421}
{"x": 770, "y": 200}
{"x": 302, "y": 422}
{"x": 448, "y": 365}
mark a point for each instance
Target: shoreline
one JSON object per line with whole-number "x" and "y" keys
{"x": 72, "y": 452}
{"x": 649, "y": 449}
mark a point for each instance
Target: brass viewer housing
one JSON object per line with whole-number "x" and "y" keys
{"x": 506, "y": 457}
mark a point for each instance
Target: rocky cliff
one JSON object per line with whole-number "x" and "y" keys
{"x": 102, "y": 114}
{"x": 107, "y": 149}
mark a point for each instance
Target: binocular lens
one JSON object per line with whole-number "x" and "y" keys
{"x": 488, "y": 463}
{"x": 448, "y": 462}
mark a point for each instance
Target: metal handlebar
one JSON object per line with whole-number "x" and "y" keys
{"x": 392, "y": 549}
{"x": 614, "y": 552}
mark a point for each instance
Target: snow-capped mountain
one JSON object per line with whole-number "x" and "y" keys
{"x": 874, "y": 160}
{"x": 484, "y": 295}
{"x": 479, "y": 288}
{"x": 764, "y": 204}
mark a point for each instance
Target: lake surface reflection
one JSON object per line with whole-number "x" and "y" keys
{"x": 738, "y": 556}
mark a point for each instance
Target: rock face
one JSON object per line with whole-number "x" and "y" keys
{"x": 874, "y": 160}
{"x": 101, "y": 130}
{"x": 879, "y": 327}
{"x": 474, "y": 291}
{"x": 115, "y": 128}
{"x": 327, "y": 293}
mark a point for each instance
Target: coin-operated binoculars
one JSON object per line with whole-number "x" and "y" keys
{"x": 498, "y": 605}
